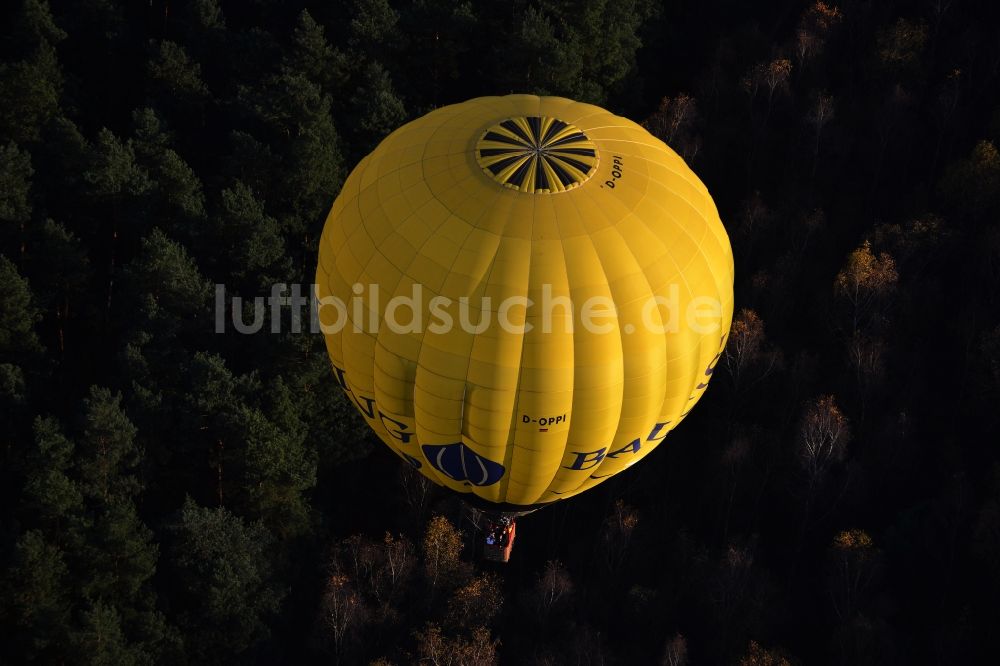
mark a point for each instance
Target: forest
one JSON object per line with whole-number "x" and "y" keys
{"x": 173, "y": 495}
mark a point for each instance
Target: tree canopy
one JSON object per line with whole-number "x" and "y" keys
{"x": 174, "y": 494}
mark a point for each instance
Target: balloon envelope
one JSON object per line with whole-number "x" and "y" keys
{"x": 523, "y": 295}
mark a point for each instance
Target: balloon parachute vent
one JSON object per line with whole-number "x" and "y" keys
{"x": 536, "y": 154}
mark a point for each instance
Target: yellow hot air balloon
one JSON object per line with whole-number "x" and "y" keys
{"x": 523, "y": 295}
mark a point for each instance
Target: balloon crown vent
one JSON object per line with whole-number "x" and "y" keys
{"x": 536, "y": 154}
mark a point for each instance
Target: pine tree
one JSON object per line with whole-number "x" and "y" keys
{"x": 20, "y": 349}
{"x": 280, "y": 467}
{"x": 52, "y": 499}
{"x": 61, "y": 272}
{"x": 373, "y": 25}
{"x": 168, "y": 290}
{"x": 300, "y": 132}
{"x": 118, "y": 556}
{"x": 224, "y": 582}
{"x": 37, "y": 587}
{"x": 177, "y": 86}
{"x": 34, "y": 600}
{"x": 440, "y": 52}
{"x": 178, "y": 199}
{"x": 60, "y": 159}
{"x": 101, "y": 640}
{"x": 539, "y": 59}
{"x": 18, "y": 315}
{"x": 34, "y": 25}
{"x": 15, "y": 189}
{"x": 578, "y": 50}
{"x": 113, "y": 172}
{"x": 212, "y": 403}
{"x": 257, "y": 250}
{"x": 375, "y": 106}
{"x": 30, "y": 81}
{"x": 312, "y": 56}
{"x": 202, "y": 27}
{"x": 108, "y": 454}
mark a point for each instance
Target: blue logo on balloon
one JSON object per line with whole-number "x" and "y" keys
{"x": 459, "y": 462}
